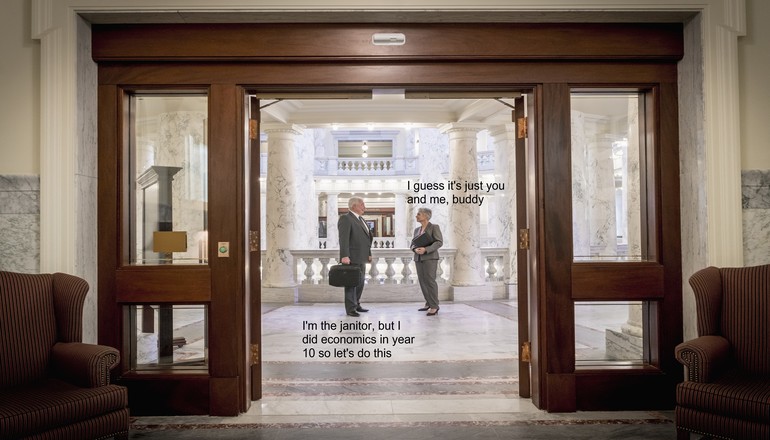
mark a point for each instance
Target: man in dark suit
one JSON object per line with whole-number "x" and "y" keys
{"x": 355, "y": 249}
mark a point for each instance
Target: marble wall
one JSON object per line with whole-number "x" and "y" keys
{"x": 20, "y": 223}
{"x": 756, "y": 216}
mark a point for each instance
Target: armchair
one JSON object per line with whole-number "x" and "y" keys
{"x": 51, "y": 384}
{"x": 726, "y": 392}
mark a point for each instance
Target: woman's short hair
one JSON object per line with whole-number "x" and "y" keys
{"x": 426, "y": 211}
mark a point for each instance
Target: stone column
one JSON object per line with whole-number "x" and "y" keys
{"x": 632, "y": 183}
{"x": 281, "y": 207}
{"x": 401, "y": 222}
{"x": 601, "y": 197}
{"x": 332, "y": 218}
{"x": 629, "y": 342}
{"x": 468, "y": 267}
{"x": 504, "y": 138}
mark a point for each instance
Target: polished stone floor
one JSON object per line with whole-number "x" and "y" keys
{"x": 396, "y": 373}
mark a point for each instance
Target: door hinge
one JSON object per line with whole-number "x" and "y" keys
{"x": 253, "y": 129}
{"x": 254, "y": 354}
{"x": 524, "y": 239}
{"x": 253, "y": 241}
{"x": 526, "y": 355}
{"x": 521, "y": 128}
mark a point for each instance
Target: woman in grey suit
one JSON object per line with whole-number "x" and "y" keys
{"x": 425, "y": 244}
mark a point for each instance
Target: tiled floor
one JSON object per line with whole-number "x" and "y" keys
{"x": 402, "y": 375}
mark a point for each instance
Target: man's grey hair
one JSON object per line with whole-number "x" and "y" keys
{"x": 353, "y": 201}
{"x": 426, "y": 212}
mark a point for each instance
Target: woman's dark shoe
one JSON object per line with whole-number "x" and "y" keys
{"x": 434, "y": 312}
{"x": 423, "y": 309}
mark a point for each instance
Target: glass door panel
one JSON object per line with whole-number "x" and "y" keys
{"x": 610, "y": 333}
{"x": 169, "y": 220}
{"x": 183, "y": 344}
{"x": 607, "y": 183}
{"x": 167, "y": 228}
{"x": 614, "y": 270}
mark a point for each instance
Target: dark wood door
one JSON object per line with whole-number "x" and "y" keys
{"x": 218, "y": 59}
{"x": 254, "y": 318}
{"x": 525, "y": 288}
{"x": 192, "y": 287}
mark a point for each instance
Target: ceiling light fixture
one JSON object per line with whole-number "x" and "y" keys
{"x": 364, "y": 146}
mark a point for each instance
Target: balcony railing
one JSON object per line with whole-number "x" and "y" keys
{"x": 377, "y": 243}
{"x": 384, "y": 166}
{"x": 392, "y": 266}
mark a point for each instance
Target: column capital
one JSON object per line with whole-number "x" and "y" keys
{"x": 274, "y": 127}
{"x": 462, "y": 127}
{"x": 504, "y": 131}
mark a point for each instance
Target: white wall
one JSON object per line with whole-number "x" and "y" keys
{"x": 19, "y": 91}
{"x": 754, "y": 65}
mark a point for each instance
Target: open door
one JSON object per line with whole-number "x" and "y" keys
{"x": 522, "y": 251}
{"x": 254, "y": 322}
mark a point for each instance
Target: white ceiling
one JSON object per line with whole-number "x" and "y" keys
{"x": 388, "y": 110}
{"x": 396, "y": 111}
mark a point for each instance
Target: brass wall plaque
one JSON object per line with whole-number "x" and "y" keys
{"x": 169, "y": 241}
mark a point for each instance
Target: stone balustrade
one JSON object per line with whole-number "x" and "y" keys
{"x": 377, "y": 243}
{"x": 390, "y": 266}
{"x": 391, "y": 277}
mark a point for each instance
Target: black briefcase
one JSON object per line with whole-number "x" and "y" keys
{"x": 344, "y": 275}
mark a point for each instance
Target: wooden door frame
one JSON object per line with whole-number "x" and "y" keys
{"x": 445, "y": 56}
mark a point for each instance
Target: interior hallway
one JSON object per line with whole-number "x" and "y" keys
{"x": 453, "y": 375}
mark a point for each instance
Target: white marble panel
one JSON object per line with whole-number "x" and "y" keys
{"x": 86, "y": 264}
{"x": 20, "y": 236}
{"x": 692, "y": 169}
{"x": 86, "y": 162}
{"x": 756, "y": 217}
{"x": 755, "y": 189}
{"x": 20, "y": 223}
{"x": 756, "y": 238}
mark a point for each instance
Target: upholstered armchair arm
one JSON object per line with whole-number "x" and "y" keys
{"x": 85, "y": 365}
{"x": 705, "y": 357}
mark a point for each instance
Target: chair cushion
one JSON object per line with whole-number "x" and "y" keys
{"x": 27, "y": 327}
{"x": 51, "y": 403}
{"x": 736, "y": 394}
